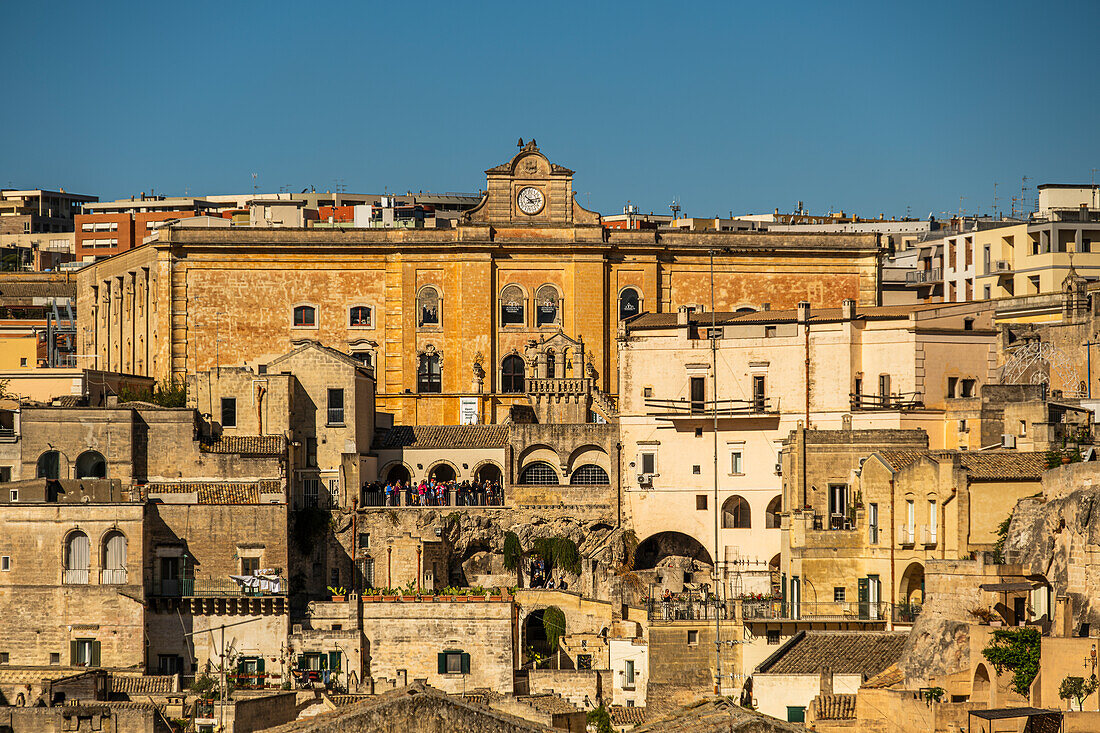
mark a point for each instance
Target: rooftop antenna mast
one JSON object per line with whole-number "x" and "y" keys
{"x": 675, "y": 206}
{"x": 993, "y": 212}
{"x": 255, "y": 188}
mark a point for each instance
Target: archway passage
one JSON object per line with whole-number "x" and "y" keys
{"x": 488, "y": 472}
{"x": 397, "y": 473}
{"x": 442, "y": 473}
{"x": 49, "y": 465}
{"x": 771, "y": 515}
{"x": 534, "y": 635}
{"x": 668, "y": 544}
{"x": 981, "y": 690}
{"x": 91, "y": 464}
{"x": 736, "y": 513}
{"x": 912, "y": 584}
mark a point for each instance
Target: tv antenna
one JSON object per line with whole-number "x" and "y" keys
{"x": 255, "y": 189}
{"x": 675, "y": 206}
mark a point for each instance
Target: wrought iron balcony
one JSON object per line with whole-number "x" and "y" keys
{"x": 686, "y": 408}
{"x": 212, "y": 588}
{"x": 924, "y": 277}
{"x": 904, "y": 401}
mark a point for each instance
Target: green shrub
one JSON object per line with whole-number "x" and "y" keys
{"x": 1016, "y": 650}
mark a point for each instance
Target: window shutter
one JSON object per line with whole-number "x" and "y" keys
{"x": 95, "y": 655}
{"x": 260, "y": 665}
{"x": 72, "y": 653}
{"x": 301, "y": 661}
{"x": 465, "y": 663}
{"x": 334, "y": 661}
{"x": 442, "y": 659}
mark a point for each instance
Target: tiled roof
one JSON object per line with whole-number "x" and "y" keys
{"x": 626, "y": 716}
{"x": 899, "y": 459}
{"x": 219, "y": 492}
{"x": 835, "y": 707}
{"x": 549, "y": 704}
{"x": 988, "y": 465}
{"x": 444, "y": 436}
{"x": 68, "y": 400}
{"x": 341, "y": 701}
{"x": 843, "y": 652}
{"x": 717, "y": 715}
{"x": 252, "y": 445}
{"x": 142, "y": 684}
{"x": 981, "y": 465}
{"x": 24, "y": 289}
{"x": 32, "y": 676}
{"x": 314, "y": 344}
{"x": 888, "y": 677}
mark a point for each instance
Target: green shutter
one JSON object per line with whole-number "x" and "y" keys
{"x": 95, "y": 654}
{"x": 442, "y": 658}
{"x": 260, "y": 665}
{"x": 72, "y": 653}
{"x": 334, "y": 661}
{"x": 301, "y": 661}
{"x": 465, "y": 663}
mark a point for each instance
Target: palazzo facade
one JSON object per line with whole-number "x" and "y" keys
{"x": 449, "y": 319}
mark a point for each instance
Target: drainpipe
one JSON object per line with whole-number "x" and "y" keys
{"x": 418, "y": 569}
{"x": 893, "y": 545}
{"x": 619, "y": 493}
{"x": 389, "y": 566}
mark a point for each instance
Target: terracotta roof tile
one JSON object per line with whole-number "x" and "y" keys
{"x": 843, "y": 652}
{"x": 549, "y": 704}
{"x": 991, "y": 465}
{"x": 817, "y": 315}
{"x": 142, "y": 684}
{"x": 444, "y": 436}
{"x": 714, "y": 715}
{"x": 888, "y": 677}
{"x": 835, "y": 707}
{"x": 219, "y": 492}
{"x": 251, "y": 445}
{"x": 899, "y": 459}
{"x": 621, "y": 715}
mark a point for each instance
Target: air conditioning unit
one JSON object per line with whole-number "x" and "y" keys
{"x": 1002, "y": 266}
{"x": 645, "y": 479}
{"x": 778, "y": 469}
{"x": 1008, "y": 441}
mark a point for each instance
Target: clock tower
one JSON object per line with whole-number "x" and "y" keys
{"x": 530, "y": 190}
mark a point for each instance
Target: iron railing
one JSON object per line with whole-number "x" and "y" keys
{"x": 117, "y": 576}
{"x": 75, "y": 576}
{"x": 212, "y": 588}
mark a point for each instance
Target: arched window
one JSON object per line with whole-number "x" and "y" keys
{"x": 305, "y": 316}
{"x": 735, "y": 514}
{"x": 77, "y": 558}
{"x": 551, "y": 364}
{"x": 512, "y": 306}
{"x": 359, "y": 316}
{"x": 547, "y": 306}
{"x": 429, "y": 379}
{"x": 397, "y": 473}
{"x": 114, "y": 559}
{"x": 539, "y": 473}
{"x": 629, "y": 301}
{"x": 512, "y": 374}
{"x": 589, "y": 474}
{"x": 91, "y": 464}
{"x": 442, "y": 472}
{"x": 49, "y": 465}
{"x": 771, "y": 515}
{"x": 427, "y": 307}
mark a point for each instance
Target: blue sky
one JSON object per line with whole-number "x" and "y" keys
{"x": 743, "y": 107}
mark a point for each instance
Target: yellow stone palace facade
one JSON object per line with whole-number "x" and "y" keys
{"x": 447, "y": 317}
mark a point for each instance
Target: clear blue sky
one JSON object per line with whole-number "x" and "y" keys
{"x": 872, "y": 107}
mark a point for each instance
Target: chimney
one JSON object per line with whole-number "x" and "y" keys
{"x": 682, "y": 314}
{"x": 767, "y": 306}
{"x": 826, "y": 681}
{"x": 804, "y": 311}
{"x": 849, "y": 309}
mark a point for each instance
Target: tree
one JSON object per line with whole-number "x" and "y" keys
{"x": 1016, "y": 650}
{"x": 1077, "y": 689}
{"x": 601, "y": 719}
{"x": 559, "y": 552}
{"x": 553, "y": 623}
{"x": 513, "y": 556}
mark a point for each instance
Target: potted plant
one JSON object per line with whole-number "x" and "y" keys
{"x": 1074, "y": 690}
{"x": 408, "y": 593}
{"x": 982, "y": 614}
{"x": 389, "y": 594}
{"x": 339, "y": 593}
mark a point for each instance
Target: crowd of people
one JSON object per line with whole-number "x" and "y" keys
{"x": 429, "y": 492}
{"x": 543, "y": 577}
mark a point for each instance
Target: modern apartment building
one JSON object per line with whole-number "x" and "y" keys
{"x": 37, "y": 211}
{"x": 109, "y": 227}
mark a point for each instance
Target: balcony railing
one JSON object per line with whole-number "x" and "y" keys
{"x": 723, "y": 408}
{"x": 923, "y": 277}
{"x": 686, "y": 607}
{"x": 336, "y": 416}
{"x": 212, "y": 588}
{"x": 828, "y": 611}
{"x": 113, "y": 577}
{"x": 906, "y": 401}
{"x": 7, "y": 435}
{"x": 75, "y": 576}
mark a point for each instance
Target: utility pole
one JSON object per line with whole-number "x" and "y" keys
{"x": 714, "y": 397}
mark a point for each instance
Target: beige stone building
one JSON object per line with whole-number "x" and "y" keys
{"x": 439, "y": 312}
{"x": 871, "y": 368}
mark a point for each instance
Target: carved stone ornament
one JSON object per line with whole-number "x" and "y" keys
{"x": 430, "y": 350}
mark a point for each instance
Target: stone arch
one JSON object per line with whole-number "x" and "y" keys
{"x": 539, "y": 452}
{"x": 113, "y": 548}
{"x": 589, "y": 453}
{"x": 548, "y": 305}
{"x": 76, "y": 560}
{"x": 438, "y": 470}
{"x": 534, "y": 633}
{"x": 745, "y": 309}
{"x": 629, "y": 302}
{"x": 49, "y": 465}
{"x": 404, "y": 472}
{"x": 771, "y": 514}
{"x": 513, "y": 305}
{"x": 657, "y": 547}
{"x": 912, "y": 584}
{"x": 589, "y": 474}
{"x": 982, "y": 690}
{"x": 91, "y": 464}
{"x": 487, "y": 470}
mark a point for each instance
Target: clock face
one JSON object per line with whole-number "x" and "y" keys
{"x": 530, "y": 200}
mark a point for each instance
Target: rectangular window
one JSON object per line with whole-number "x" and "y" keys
{"x": 952, "y": 387}
{"x": 55, "y": 658}
{"x": 735, "y": 462}
{"x": 838, "y": 595}
{"x": 700, "y": 501}
{"x": 884, "y": 385}
{"x": 311, "y": 490}
{"x": 872, "y": 523}
{"x": 698, "y": 432}
{"x": 649, "y": 463}
{"x": 968, "y": 387}
{"x": 647, "y": 392}
{"x": 168, "y": 664}
{"x": 838, "y": 506}
{"x": 454, "y": 662}
{"x": 311, "y": 452}
{"x": 229, "y": 412}
{"x": 769, "y": 332}
{"x": 1023, "y": 428}
{"x": 932, "y": 520}
{"x": 5, "y": 563}
{"x": 986, "y": 292}
{"x": 693, "y": 637}
{"x": 584, "y": 661}
{"x": 84, "y": 652}
{"x": 773, "y": 637}
{"x": 250, "y": 565}
{"x": 364, "y": 540}
{"x": 696, "y": 469}
{"x": 336, "y": 407}
{"x": 628, "y": 673}
{"x": 3, "y": 657}
{"x": 759, "y": 397}
{"x": 698, "y": 394}
{"x": 910, "y": 522}
{"x": 13, "y": 494}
